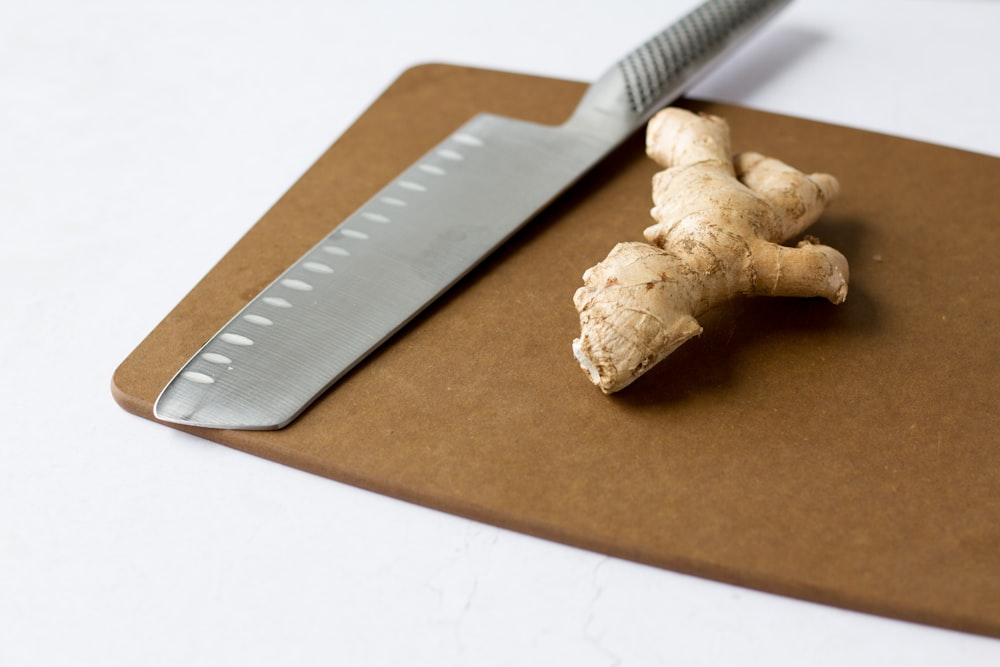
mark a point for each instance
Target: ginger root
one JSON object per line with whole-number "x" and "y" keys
{"x": 720, "y": 223}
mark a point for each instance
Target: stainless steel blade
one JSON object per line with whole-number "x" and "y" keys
{"x": 425, "y": 230}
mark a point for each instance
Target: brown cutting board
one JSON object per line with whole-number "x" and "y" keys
{"x": 842, "y": 454}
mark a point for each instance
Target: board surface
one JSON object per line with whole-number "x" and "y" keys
{"x": 846, "y": 455}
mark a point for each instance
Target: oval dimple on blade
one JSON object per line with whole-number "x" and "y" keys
{"x": 236, "y": 339}
{"x": 297, "y": 285}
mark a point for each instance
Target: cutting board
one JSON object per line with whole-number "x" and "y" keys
{"x": 846, "y": 455}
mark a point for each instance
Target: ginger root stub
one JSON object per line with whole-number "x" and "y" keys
{"x": 721, "y": 221}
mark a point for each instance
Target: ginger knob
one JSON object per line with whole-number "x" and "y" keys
{"x": 720, "y": 225}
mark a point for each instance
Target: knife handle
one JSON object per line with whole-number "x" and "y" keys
{"x": 661, "y": 69}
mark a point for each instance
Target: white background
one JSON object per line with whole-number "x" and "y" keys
{"x": 140, "y": 140}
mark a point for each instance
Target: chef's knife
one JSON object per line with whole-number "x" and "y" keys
{"x": 426, "y": 229}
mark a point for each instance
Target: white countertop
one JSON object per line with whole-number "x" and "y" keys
{"x": 140, "y": 140}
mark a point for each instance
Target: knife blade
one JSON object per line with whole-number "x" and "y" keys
{"x": 426, "y": 229}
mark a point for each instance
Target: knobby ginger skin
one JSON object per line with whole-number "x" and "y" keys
{"x": 720, "y": 225}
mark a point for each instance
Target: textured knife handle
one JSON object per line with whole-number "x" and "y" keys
{"x": 654, "y": 68}
{"x": 663, "y": 67}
